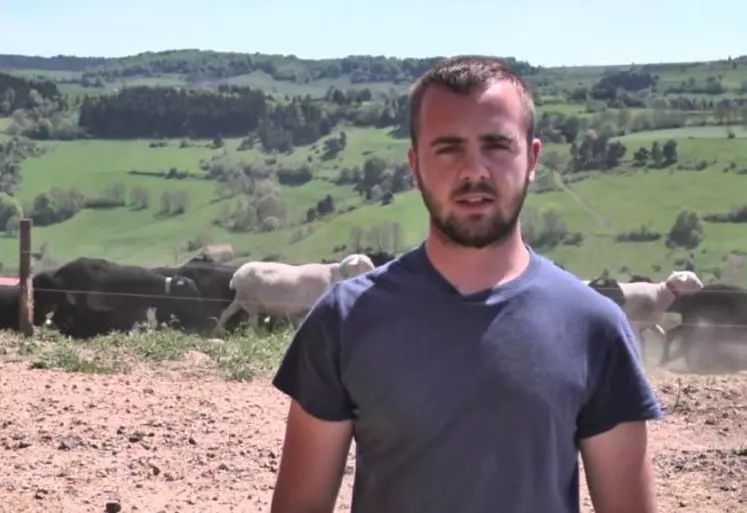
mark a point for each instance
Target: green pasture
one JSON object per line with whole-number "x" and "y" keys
{"x": 141, "y": 236}
{"x": 626, "y": 200}
{"x": 732, "y": 74}
{"x": 695, "y": 132}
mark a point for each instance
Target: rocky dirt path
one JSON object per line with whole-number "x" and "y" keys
{"x": 165, "y": 442}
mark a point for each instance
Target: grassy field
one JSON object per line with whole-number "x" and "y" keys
{"x": 140, "y": 236}
{"x": 240, "y": 357}
{"x": 699, "y": 132}
{"x": 733, "y": 75}
{"x": 627, "y": 200}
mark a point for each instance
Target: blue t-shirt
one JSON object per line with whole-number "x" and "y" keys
{"x": 467, "y": 403}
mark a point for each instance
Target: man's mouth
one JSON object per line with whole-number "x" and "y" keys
{"x": 475, "y": 199}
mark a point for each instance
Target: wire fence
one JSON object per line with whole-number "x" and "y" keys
{"x": 703, "y": 299}
{"x": 741, "y": 313}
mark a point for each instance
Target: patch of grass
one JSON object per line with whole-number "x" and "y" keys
{"x": 80, "y": 92}
{"x": 696, "y": 132}
{"x": 240, "y": 356}
{"x": 68, "y": 357}
{"x": 317, "y": 88}
{"x": 720, "y": 152}
{"x": 732, "y": 75}
{"x": 46, "y": 74}
{"x": 652, "y": 198}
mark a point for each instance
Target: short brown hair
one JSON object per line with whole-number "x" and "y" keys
{"x": 464, "y": 74}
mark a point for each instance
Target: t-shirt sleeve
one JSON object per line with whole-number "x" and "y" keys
{"x": 620, "y": 391}
{"x": 309, "y": 372}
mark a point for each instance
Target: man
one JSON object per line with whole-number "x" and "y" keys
{"x": 471, "y": 370}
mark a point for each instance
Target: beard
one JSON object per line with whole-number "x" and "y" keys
{"x": 480, "y": 230}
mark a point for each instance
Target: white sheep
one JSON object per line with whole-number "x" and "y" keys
{"x": 646, "y": 303}
{"x": 283, "y": 289}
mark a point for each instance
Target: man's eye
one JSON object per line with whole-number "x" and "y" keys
{"x": 447, "y": 149}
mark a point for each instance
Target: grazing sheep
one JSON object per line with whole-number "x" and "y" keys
{"x": 284, "y": 289}
{"x": 646, "y": 303}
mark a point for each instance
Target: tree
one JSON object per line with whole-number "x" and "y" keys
{"x": 640, "y": 157}
{"x": 270, "y": 205}
{"x": 9, "y": 208}
{"x": 656, "y": 154}
{"x": 373, "y": 169}
{"x": 543, "y": 229}
{"x": 552, "y": 160}
{"x": 669, "y": 152}
{"x": 687, "y": 230}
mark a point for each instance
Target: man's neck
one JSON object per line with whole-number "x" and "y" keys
{"x": 472, "y": 270}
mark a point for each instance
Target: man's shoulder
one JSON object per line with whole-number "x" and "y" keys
{"x": 400, "y": 271}
{"x": 574, "y": 297}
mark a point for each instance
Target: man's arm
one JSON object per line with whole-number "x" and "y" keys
{"x": 312, "y": 464}
{"x": 618, "y": 470}
{"x": 612, "y": 426}
{"x": 320, "y": 418}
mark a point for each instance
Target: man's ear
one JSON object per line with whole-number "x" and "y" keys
{"x": 535, "y": 150}
{"x": 412, "y": 159}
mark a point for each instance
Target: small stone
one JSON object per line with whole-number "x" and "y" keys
{"x": 113, "y": 504}
{"x": 68, "y": 443}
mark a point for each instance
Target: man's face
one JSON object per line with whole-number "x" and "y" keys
{"x": 473, "y": 163}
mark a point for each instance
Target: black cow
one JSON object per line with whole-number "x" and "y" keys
{"x": 9, "y": 302}
{"x": 608, "y": 287}
{"x": 46, "y": 296}
{"x": 716, "y": 312}
{"x": 81, "y": 322}
{"x": 212, "y": 280}
{"x": 380, "y": 258}
{"x": 91, "y": 296}
{"x": 637, "y": 278}
{"x": 10, "y": 298}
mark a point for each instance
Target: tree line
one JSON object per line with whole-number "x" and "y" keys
{"x": 41, "y": 113}
{"x": 197, "y": 66}
{"x": 234, "y": 111}
{"x": 280, "y": 124}
{"x": 17, "y": 93}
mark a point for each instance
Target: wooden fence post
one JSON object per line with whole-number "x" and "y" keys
{"x": 26, "y": 283}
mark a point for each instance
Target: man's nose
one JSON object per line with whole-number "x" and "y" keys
{"x": 474, "y": 166}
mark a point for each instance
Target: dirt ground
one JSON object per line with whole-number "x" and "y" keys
{"x": 176, "y": 440}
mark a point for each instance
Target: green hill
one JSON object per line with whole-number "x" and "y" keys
{"x": 627, "y": 149}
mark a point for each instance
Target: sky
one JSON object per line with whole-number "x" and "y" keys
{"x": 542, "y": 32}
